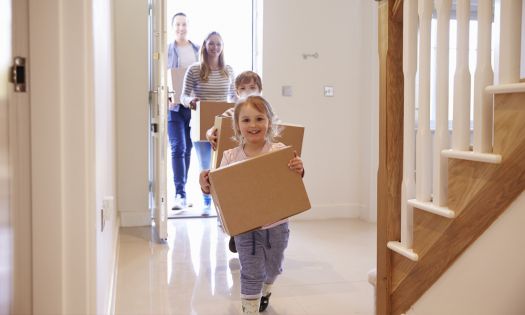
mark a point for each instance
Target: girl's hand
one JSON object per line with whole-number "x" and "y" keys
{"x": 211, "y": 135}
{"x": 204, "y": 181}
{"x": 296, "y": 164}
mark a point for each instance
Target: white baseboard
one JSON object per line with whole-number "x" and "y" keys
{"x": 114, "y": 274}
{"x": 135, "y": 218}
{"x": 338, "y": 211}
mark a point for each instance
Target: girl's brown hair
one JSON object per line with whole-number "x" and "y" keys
{"x": 262, "y": 106}
{"x": 205, "y": 67}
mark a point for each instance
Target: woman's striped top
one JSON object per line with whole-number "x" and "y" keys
{"x": 217, "y": 88}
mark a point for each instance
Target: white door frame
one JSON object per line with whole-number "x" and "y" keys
{"x": 158, "y": 119}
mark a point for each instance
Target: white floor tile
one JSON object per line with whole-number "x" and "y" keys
{"x": 325, "y": 272}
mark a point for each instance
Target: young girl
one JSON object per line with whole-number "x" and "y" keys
{"x": 261, "y": 252}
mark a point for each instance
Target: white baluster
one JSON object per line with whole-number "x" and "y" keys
{"x": 510, "y": 41}
{"x": 409, "y": 72}
{"x": 441, "y": 136}
{"x": 483, "y": 77}
{"x": 423, "y": 137}
{"x": 461, "y": 124}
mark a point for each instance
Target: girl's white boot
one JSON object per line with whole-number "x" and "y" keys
{"x": 250, "y": 306}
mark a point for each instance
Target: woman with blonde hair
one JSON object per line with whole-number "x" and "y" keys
{"x": 208, "y": 80}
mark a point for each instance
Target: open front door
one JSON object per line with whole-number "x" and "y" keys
{"x": 158, "y": 112}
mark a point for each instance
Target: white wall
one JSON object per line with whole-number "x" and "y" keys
{"x": 338, "y": 143}
{"x": 340, "y": 147}
{"x": 131, "y": 71}
{"x": 62, "y": 157}
{"x": 73, "y": 157}
{"x": 488, "y": 277}
{"x": 105, "y": 151}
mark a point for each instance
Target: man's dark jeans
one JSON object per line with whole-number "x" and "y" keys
{"x": 180, "y": 143}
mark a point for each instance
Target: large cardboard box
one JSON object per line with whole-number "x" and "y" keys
{"x": 203, "y": 118}
{"x": 290, "y": 134}
{"x": 258, "y": 192}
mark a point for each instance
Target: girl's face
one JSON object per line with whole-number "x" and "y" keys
{"x": 248, "y": 89}
{"x": 180, "y": 26}
{"x": 214, "y": 46}
{"x": 253, "y": 124}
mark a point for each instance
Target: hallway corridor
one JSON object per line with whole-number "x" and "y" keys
{"x": 325, "y": 270}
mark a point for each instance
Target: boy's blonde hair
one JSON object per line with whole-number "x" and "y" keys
{"x": 247, "y": 77}
{"x": 262, "y": 106}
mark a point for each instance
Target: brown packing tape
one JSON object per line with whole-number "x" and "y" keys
{"x": 258, "y": 191}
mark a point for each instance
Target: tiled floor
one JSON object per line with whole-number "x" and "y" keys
{"x": 325, "y": 272}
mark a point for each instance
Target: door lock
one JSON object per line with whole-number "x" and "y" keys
{"x": 18, "y": 74}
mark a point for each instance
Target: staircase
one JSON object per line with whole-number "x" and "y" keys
{"x": 440, "y": 197}
{"x": 478, "y": 192}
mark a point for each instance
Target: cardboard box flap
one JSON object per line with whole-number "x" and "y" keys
{"x": 258, "y": 191}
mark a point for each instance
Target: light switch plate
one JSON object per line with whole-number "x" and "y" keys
{"x": 287, "y": 90}
{"x": 328, "y": 91}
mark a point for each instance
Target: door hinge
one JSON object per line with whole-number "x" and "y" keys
{"x": 18, "y": 74}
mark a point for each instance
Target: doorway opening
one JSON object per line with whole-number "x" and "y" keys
{"x": 238, "y": 23}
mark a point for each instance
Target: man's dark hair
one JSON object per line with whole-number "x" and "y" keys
{"x": 176, "y": 14}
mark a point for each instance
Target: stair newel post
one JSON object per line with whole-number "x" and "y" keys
{"x": 409, "y": 72}
{"x": 461, "y": 124}
{"x": 484, "y": 76}
{"x": 423, "y": 136}
{"x": 510, "y": 41}
{"x": 441, "y": 136}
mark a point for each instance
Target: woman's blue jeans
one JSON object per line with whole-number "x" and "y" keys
{"x": 180, "y": 143}
{"x": 203, "y": 150}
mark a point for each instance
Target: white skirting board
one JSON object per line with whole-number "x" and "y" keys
{"x": 350, "y": 211}
{"x": 135, "y": 218}
{"x": 347, "y": 211}
{"x": 113, "y": 285}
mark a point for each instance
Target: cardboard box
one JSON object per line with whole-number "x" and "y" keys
{"x": 177, "y": 80}
{"x": 225, "y": 139}
{"x": 290, "y": 134}
{"x": 258, "y": 192}
{"x": 203, "y": 118}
